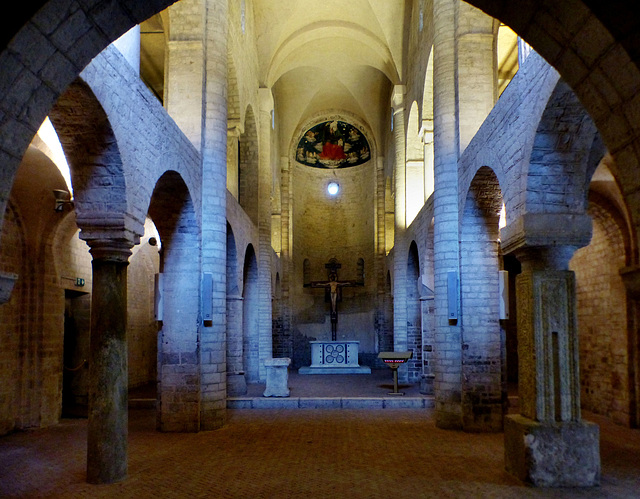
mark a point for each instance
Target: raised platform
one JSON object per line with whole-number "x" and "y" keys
{"x": 335, "y": 370}
{"x": 336, "y": 391}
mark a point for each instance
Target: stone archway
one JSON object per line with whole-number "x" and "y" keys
{"x": 483, "y": 389}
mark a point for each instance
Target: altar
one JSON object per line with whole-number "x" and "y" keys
{"x": 334, "y": 357}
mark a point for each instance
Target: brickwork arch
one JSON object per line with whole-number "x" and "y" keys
{"x": 250, "y": 332}
{"x": 59, "y": 38}
{"x": 149, "y": 141}
{"x": 414, "y": 313}
{"x": 558, "y": 174}
{"x": 234, "y": 306}
{"x": 592, "y": 47}
{"x": 506, "y": 138}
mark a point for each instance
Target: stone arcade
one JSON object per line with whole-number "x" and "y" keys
{"x": 197, "y": 140}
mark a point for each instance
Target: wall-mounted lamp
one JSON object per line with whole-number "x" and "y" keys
{"x": 333, "y": 188}
{"x": 62, "y": 197}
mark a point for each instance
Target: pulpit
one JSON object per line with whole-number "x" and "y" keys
{"x": 394, "y": 360}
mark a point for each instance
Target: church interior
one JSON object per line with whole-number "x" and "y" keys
{"x": 224, "y": 184}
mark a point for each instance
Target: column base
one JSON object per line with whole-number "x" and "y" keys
{"x": 552, "y": 455}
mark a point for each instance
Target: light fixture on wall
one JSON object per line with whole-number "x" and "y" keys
{"x": 62, "y": 197}
{"x": 333, "y": 188}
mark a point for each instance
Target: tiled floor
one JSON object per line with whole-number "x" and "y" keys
{"x": 305, "y": 453}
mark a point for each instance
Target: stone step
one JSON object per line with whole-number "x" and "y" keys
{"x": 392, "y": 402}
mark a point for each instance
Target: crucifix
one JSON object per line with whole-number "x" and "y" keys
{"x": 333, "y": 286}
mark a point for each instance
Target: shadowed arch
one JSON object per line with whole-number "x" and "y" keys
{"x": 92, "y": 151}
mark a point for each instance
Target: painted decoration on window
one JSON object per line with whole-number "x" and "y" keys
{"x": 333, "y": 144}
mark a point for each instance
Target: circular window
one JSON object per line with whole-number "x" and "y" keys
{"x": 333, "y": 188}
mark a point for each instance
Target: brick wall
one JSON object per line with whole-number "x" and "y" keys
{"x": 602, "y": 319}
{"x": 12, "y": 253}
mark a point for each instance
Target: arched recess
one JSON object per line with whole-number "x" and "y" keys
{"x": 250, "y": 318}
{"x": 483, "y": 390}
{"x": 172, "y": 211}
{"x": 248, "y": 172}
{"x": 414, "y": 172}
{"x": 236, "y": 384}
{"x": 414, "y": 314}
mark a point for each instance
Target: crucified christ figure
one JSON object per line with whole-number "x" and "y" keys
{"x": 333, "y": 285}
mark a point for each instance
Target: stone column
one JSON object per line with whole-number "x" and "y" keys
{"x": 548, "y": 444}
{"x": 184, "y": 68}
{"x": 477, "y": 85}
{"x": 213, "y": 367}
{"x": 631, "y": 279}
{"x": 447, "y": 341}
{"x": 265, "y": 176}
{"x": 400, "y": 247}
{"x": 108, "y": 374}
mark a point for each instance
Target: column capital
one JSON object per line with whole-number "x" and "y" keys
{"x": 266, "y": 99}
{"x": 234, "y": 127}
{"x": 549, "y": 238}
{"x": 110, "y": 237}
{"x": 397, "y": 96}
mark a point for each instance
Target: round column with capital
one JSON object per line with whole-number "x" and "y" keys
{"x": 108, "y": 372}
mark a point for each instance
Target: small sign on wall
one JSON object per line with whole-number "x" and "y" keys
{"x": 503, "y": 286}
